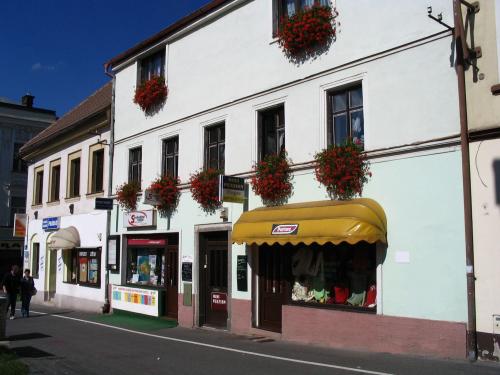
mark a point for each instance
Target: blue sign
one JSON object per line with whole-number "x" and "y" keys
{"x": 51, "y": 223}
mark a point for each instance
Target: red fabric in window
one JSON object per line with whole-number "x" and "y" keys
{"x": 341, "y": 294}
{"x": 371, "y": 296}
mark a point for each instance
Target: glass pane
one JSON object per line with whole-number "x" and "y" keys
{"x": 221, "y": 156}
{"x": 340, "y": 130}
{"x": 306, "y": 3}
{"x": 170, "y": 166}
{"x": 212, "y": 157}
{"x": 357, "y": 126}
{"x": 325, "y": 3}
{"x": 222, "y": 133}
{"x": 356, "y": 97}
{"x": 281, "y": 140}
{"x": 339, "y": 102}
{"x": 212, "y": 135}
{"x": 290, "y": 7}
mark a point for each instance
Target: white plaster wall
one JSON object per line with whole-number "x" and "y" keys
{"x": 485, "y": 180}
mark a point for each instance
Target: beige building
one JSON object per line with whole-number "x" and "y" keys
{"x": 483, "y": 114}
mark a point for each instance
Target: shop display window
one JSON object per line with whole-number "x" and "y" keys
{"x": 341, "y": 275}
{"x": 83, "y": 267}
{"x": 145, "y": 266}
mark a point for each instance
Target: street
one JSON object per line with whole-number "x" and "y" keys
{"x": 65, "y": 342}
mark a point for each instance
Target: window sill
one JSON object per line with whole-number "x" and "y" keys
{"x": 53, "y": 203}
{"x": 96, "y": 194}
{"x": 338, "y": 307}
{"x": 72, "y": 199}
{"x": 37, "y": 206}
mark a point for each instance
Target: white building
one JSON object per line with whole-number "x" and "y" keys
{"x": 229, "y": 82}
{"x": 66, "y": 236}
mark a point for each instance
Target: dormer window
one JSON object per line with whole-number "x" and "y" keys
{"x": 153, "y": 65}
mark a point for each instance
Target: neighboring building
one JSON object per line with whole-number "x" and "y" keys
{"x": 483, "y": 110}
{"x": 66, "y": 236}
{"x": 18, "y": 124}
{"x": 239, "y": 94}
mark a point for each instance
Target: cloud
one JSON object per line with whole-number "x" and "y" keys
{"x": 38, "y": 66}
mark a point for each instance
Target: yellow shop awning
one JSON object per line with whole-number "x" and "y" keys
{"x": 321, "y": 222}
{"x": 65, "y": 238}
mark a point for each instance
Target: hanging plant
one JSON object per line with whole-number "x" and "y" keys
{"x": 272, "y": 180}
{"x": 307, "y": 32}
{"x": 205, "y": 189}
{"x": 126, "y": 195}
{"x": 343, "y": 170}
{"x": 166, "y": 188}
{"x": 151, "y": 95}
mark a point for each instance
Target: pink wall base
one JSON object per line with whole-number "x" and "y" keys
{"x": 185, "y": 316}
{"x": 241, "y": 316}
{"x": 350, "y": 330}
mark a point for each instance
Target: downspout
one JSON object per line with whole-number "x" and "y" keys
{"x": 107, "y": 305}
{"x": 462, "y": 52}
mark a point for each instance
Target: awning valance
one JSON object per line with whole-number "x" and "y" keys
{"x": 320, "y": 222}
{"x": 65, "y": 238}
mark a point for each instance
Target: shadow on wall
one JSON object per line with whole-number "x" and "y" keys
{"x": 496, "y": 172}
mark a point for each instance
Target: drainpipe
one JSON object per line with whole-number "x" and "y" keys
{"x": 107, "y": 305}
{"x": 462, "y": 52}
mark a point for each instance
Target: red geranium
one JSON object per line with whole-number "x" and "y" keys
{"x": 126, "y": 195}
{"x": 167, "y": 190}
{"x": 205, "y": 189}
{"x": 273, "y": 179}
{"x": 343, "y": 170}
{"x": 151, "y": 94}
{"x": 307, "y": 30}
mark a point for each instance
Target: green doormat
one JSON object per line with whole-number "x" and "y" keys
{"x": 10, "y": 364}
{"x": 128, "y": 320}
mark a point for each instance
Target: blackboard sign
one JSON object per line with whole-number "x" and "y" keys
{"x": 187, "y": 271}
{"x": 242, "y": 273}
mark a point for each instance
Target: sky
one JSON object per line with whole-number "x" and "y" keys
{"x": 55, "y": 49}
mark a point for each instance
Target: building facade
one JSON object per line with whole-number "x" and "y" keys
{"x": 387, "y": 75}
{"x": 66, "y": 235}
{"x": 18, "y": 124}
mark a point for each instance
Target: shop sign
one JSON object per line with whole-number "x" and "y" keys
{"x": 219, "y": 301}
{"x": 103, "y": 204}
{"x": 151, "y": 198}
{"x": 284, "y": 229}
{"x": 51, "y": 223}
{"x": 19, "y": 225}
{"x": 231, "y": 189}
{"x": 137, "y": 300}
{"x": 134, "y": 219}
{"x": 146, "y": 242}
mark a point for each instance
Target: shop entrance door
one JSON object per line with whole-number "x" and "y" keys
{"x": 171, "y": 280}
{"x": 50, "y": 273}
{"x": 213, "y": 279}
{"x": 272, "y": 286}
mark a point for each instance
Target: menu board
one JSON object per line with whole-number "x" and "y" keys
{"x": 242, "y": 273}
{"x": 187, "y": 271}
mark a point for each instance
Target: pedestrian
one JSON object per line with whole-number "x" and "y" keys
{"x": 10, "y": 284}
{"x": 27, "y": 290}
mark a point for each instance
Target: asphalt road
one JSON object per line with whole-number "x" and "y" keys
{"x": 63, "y": 342}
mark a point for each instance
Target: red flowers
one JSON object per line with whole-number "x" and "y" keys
{"x": 205, "y": 189}
{"x": 167, "y": 190}
{"x": 126, "y": 195}
{"x": 272, "y": 179}
{"x": 343, "y": 170}
{"x": 306, "y": 31}
{"x": 151, "y": 94}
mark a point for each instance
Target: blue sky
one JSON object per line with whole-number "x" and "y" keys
{"x": 56, "y": 49}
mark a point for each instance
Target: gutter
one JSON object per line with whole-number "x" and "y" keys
{"x": 463, "y": 53}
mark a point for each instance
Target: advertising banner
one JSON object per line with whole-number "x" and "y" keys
{"x": 19, "y": 225}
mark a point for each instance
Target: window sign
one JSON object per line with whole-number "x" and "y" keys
{"x": 134, "y": 219}
{"x": 113, "y": 253}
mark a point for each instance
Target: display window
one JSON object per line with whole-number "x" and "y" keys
{"x": 145, "y": 266}
{"x": 82, "y": 266}
{"x": 334, "y": 275}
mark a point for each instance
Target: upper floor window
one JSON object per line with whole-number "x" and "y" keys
{"x": 287, "y": 8}
{"x": 54, "y": 180}
{"x": 345, "y": 116}
{"x": 74, "y": 162}
{"x": 18, "y": 164}
{"x": 215, "y": 144}
{"x": 96, "y": 169}
{"x": 153, "y": 65}
{"x": 170, "y": 157}
{"x": 38, "y": 186}
{"x": 135, "y": 165}
{"x": 17, "y": 206}
{"x": 271, "y": 131}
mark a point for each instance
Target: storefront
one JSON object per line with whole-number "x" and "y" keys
{"x": 151, "y": 277}
{"x": 313, "y": 255}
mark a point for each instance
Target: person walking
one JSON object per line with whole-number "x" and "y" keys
{"x": 27, "y": 290}
{"x": 10, "y": 284}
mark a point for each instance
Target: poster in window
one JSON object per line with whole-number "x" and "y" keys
{"x": 83, "y": 270}
{"x": 93, "y": 271}
{"x": 144, "y": 268}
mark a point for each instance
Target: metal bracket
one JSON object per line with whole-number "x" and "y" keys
{"x": 471, "y": 7}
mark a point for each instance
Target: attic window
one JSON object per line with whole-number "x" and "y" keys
{"x": 152, "y": 65}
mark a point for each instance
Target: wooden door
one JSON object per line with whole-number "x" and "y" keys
{"x": 272, "y": 286}
{"x": 213, "y": 280}
{"x": 171, "y": 281}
